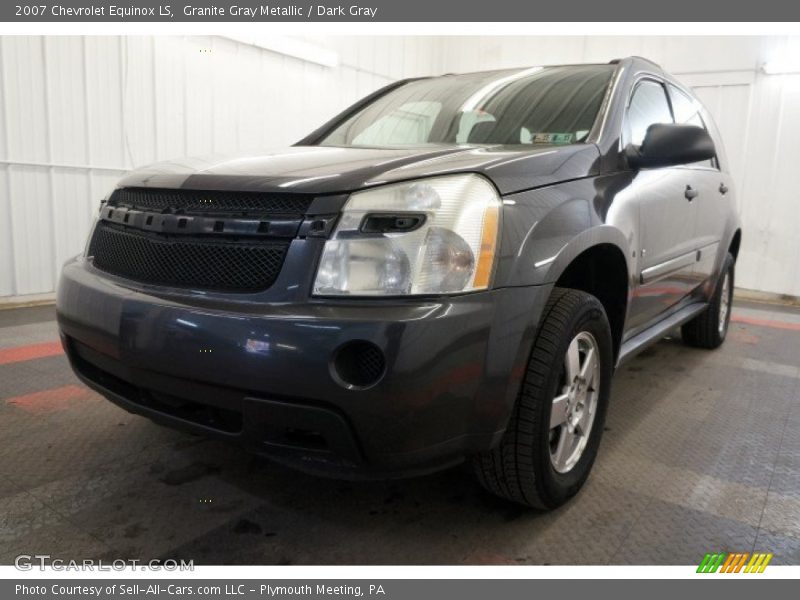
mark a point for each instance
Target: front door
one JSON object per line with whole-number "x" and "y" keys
{"x": 667, "y": 250}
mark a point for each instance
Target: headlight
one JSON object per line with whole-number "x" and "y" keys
{"x": 431, "y": 236}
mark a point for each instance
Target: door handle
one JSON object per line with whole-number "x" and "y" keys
{"x": 723, "y": 189}
{"x": 690, "y": 193}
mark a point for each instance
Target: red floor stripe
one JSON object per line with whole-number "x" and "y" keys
{"x": 767, "y": 323}
{"x": 22, "y": 353}
{"x": 51, "y": 400}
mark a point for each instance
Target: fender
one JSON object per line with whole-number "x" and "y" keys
{"x": 602, "y": 234}
{"x": 549, "y": 227}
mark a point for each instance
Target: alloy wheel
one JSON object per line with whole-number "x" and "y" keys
{"x": 574, "y": 408}
{"x": 724, "y": 303}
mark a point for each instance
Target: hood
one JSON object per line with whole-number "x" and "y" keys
{"x": 327, "y": 169}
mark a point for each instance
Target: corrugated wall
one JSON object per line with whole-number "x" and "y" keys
{"x": 76, "y": 112}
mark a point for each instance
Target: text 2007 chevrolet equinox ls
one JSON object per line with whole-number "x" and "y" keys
{"x": 452, "y": 268}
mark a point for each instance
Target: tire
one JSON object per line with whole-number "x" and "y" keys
{"x": 521, "y": 468}
{"x": 709, "y": 328}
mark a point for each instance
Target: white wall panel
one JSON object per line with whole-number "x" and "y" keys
{"x": 24, "y": 72}
{"x": 24, "y": 78}
{"x": 169, "y": 84}
{"x": 33, "y": 223}
{"x": 7, "y": 281}
{"x": 199, "y": 99}
{"x": 67, "y": 126}
{"x": 7, "y": 285}
{"x": 65, "y": 94}
{"x": 103, "y": 62}
{"x": 223, "y": 74}
{"x": 139, "y": 101}
{"x": 779, "y": 253}
{"x": 72, "y": 203}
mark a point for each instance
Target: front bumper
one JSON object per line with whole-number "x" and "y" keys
{"x": 262, "y": 375}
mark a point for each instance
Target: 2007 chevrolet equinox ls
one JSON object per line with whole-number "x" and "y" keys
{"x": 450, "y": 269}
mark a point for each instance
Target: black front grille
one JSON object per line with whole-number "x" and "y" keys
{"x": 189, "y": 201}
{"x": 197, "y": 263}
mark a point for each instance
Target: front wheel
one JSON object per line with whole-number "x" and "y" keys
{"x": 709, "y": 328}
{"x": 552, "y": 439}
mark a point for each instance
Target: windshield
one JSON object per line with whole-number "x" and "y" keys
{"x": 542, "y": 105}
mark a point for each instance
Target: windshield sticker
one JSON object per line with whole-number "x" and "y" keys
{"x": 553, "y": 138}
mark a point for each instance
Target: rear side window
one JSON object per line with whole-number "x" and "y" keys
{"x": 648, "y": 105}
{"x": 687, "y": 112}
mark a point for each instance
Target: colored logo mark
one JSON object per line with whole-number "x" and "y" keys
{"x": 735, "y": 562}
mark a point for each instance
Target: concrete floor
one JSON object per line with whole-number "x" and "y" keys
{"x": 701, "y": 454}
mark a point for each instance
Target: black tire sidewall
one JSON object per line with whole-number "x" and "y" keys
{"x": 726, "y": 269}
{"x": 557, "y": 487}
{"x": 703, "y": 331}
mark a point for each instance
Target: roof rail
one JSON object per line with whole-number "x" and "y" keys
{"x": 647, "y": 60}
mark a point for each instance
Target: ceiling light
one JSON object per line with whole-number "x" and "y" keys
{"x": 781, "y": 67}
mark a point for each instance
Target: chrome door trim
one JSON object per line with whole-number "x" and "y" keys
{"x": 661, "y": 270}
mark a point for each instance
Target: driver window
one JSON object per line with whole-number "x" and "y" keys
{"x": 648, "y": 105}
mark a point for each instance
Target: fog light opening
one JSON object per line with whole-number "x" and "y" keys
{"x": 358, "y": 365}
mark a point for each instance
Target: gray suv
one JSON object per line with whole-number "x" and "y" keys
{"x": 450, "y": 269}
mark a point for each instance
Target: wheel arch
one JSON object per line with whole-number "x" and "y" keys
{"x": 602, "y": 271}
{"x": 596, "y": 261}
{"x": 736, "y": 242}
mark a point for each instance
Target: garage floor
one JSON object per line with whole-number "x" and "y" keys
{"x": 701, "y": 454}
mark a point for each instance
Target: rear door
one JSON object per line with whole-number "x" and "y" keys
{"x": 667, "y": 214}
{"x": 713, "y": 187}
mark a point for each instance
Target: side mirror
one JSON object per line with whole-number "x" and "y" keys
{"x": 667, "y": 145}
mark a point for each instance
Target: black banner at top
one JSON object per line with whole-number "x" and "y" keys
{"x": 400, "y": 10}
